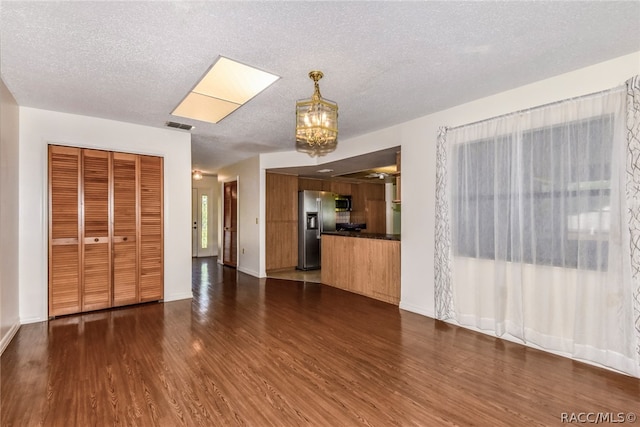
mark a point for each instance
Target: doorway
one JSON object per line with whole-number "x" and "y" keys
{"x": 230, "y": 224}
{"x": 202, "y": 223}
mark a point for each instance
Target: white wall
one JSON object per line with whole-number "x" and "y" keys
{"x": 209, "y": 182}
{"x": 251, "y": 189}
{"x": 38, "y": 128}
{"x": 9, "y": 275}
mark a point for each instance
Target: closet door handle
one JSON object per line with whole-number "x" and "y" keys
{"x": 124, "y": 239}
{"x": 96, "y": 240}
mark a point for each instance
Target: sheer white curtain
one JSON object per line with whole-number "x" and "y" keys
{"x": 532, "y": 234}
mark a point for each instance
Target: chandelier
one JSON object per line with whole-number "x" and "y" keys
{"x": 316, "y": 122}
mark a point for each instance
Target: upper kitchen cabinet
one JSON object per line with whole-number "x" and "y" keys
{"x": 369, "y": 206}
{"x": 365, "y": 191}
{"x": 281, "y": 197}
{"x": 342, "y": 188}
{"x": 313, "y": 184}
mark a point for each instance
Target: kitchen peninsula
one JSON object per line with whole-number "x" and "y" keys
{"x": 364, "y": 263}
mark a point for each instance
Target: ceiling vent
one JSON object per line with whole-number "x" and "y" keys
{"x": 179, "y": 125}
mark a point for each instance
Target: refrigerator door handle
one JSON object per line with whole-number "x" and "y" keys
{"x": 320, "y": 222}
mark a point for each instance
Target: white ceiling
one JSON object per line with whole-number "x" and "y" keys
{"x": 384, "y": 62}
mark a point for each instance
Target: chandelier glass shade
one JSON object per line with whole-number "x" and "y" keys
{"x": 316, "y": 122}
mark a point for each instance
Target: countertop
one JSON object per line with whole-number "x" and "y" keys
{"x": 362, "y": 235}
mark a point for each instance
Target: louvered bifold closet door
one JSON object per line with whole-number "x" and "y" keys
{"x": 96, "y": 263}
{"x": 125, "y": 225}
{"x": 151, "y": 265}
{"x": 64, "y": 231}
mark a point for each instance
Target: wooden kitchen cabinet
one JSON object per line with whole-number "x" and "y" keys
{"x": 376, "y": 216}
{"x": 366, "y": 266}
{"x": 313, "y": 184}
{"x": 398, "y": 197}
{"x": 342, "y": 188}
{"x": 369, "y": 206}
{"x": 105, "y": 229}
{"x": 281, "y": 226}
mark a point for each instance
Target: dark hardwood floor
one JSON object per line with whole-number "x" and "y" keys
{"x": 281, "y": 353}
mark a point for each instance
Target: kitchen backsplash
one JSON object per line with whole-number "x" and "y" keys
{"x": 343, "y": 217}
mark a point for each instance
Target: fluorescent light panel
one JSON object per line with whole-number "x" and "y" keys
{"x": 223, "y": 89}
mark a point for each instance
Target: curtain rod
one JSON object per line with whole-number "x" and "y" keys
{"x": 602, "y": 92}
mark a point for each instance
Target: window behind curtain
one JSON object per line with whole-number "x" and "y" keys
{"x": 538, "y": 196}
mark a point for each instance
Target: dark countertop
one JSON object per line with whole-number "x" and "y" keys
{"x": 363, "y": 235}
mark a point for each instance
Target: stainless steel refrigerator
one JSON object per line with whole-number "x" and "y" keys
{"x": 316, "y": 214}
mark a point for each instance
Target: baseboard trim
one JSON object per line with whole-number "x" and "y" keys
{"x": 177, "y": 297}
{"x": 249, "y": 272}
{"x": 8, "y": 337}
{"x": 30, "y": 320}
{"x": 417, "y": 309}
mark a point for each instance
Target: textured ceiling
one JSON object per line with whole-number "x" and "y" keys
{"x": 384, "y": 62}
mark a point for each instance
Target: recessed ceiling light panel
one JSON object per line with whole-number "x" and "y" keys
{"x": 204, "y": 108}
{"x": 225, "y": 87}
{"x": 233, "y": 81}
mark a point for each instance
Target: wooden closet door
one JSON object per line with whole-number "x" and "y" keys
{"x": 151, "y": 243}
{"x": 64, "y": 231}
{"x": 125, "y": 224}
{"x": 96, "y": 262}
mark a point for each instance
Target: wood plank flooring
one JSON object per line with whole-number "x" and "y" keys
{"x": 274, "y": 352}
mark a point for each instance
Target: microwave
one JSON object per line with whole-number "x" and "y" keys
{"x": 343, "y": 203}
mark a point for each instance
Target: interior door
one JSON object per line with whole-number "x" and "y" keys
{"x": 230, "y": 224}
{"x": 64, "y": 231}
{"x": 96, "y": 244}
{"x": 151, "y": 237}
{"x": 125, "y": 251}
